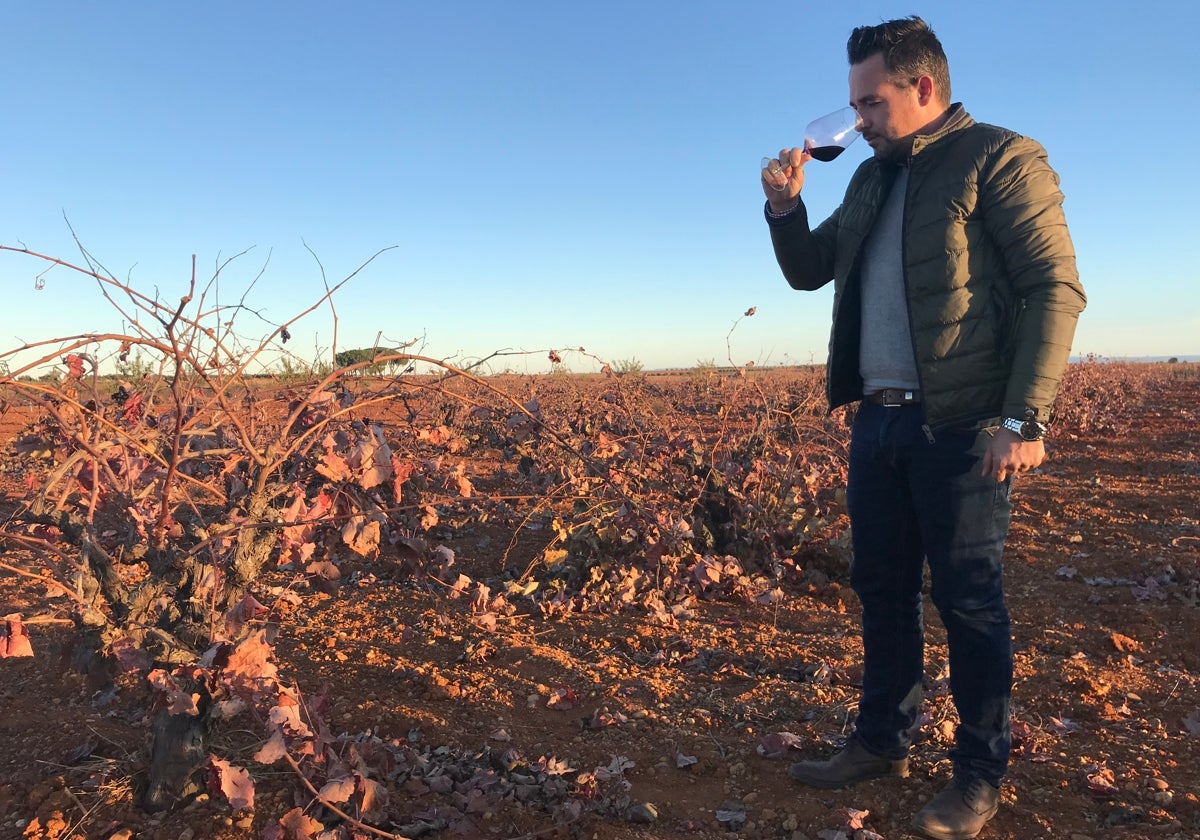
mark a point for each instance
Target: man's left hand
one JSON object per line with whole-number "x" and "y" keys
{"x": 1010, "y": 454}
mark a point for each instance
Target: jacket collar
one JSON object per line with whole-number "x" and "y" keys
{"x": 957, "y": 119}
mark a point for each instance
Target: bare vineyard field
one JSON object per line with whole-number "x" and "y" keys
{"x": 558, "y": 606}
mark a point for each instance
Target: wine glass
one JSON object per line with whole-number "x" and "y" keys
{"x": 824, "y": 139}
{"x": 827, "y": 137}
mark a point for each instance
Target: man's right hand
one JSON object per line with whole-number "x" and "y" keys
{"x": 783, "y": 178}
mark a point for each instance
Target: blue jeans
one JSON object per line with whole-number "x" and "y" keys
{"x": 912, "y": 501}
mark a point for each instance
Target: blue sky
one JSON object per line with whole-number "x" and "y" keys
{"x": 549, "y": 174}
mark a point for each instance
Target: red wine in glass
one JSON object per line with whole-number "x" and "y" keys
{"x": 825, "y": 153}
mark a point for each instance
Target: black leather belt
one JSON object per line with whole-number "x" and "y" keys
{"x": 894, "y": 397}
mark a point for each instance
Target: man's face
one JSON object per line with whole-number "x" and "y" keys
{"x": 890, "y": 114}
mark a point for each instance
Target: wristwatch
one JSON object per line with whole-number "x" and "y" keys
{"x": 1029, "y": 429}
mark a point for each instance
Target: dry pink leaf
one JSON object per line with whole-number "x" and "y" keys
{"x": 777, "y": 744}
{"x": 233, "y": 782}
{"x": 178, "y": 702}
{"x": 15, "y": 640}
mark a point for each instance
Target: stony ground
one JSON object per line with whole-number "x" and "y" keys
{"x": 1103, "y": 575}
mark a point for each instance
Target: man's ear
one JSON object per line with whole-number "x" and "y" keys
{"x": 925, "y": 90}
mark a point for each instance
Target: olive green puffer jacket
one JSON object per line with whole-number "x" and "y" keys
{"x": 993, "y": 291}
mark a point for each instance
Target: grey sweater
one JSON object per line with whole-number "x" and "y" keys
{"x": 885, "y": 352}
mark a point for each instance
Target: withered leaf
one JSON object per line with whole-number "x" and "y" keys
{"x": 233, "y": 782}
{"x": 250, "y": 669}
{"x": 777, "y": 744}
{"x": 274, "y": 749}
{"x": 176, "y": 700}
{"x": 562, "y": 699}
{"x": 338, "y": 790}
{"x": 14, "y": 642}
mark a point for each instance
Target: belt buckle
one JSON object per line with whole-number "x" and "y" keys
{"x": 894, "y": 397}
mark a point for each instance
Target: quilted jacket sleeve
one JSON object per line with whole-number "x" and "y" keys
{"x": 1023, "y": 215}
{"x": 805, "y": 257}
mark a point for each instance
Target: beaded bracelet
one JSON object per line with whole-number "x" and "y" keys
{"x": 784, "y": 214}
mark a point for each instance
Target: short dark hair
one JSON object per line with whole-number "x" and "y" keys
{"x": 909, "y": 49}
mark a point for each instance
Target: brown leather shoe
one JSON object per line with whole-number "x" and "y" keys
{"x": 852, "y": 765}
{"x": 958, "y": 812}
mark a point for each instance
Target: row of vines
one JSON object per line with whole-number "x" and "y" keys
{"x": 155, "y": 508}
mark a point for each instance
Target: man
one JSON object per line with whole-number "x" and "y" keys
{"x": 955, "y": 302}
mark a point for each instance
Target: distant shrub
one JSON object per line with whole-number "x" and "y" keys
{"x": 367, "y": 356}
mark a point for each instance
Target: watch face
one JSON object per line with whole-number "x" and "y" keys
{"x": 1032, "y": 430}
